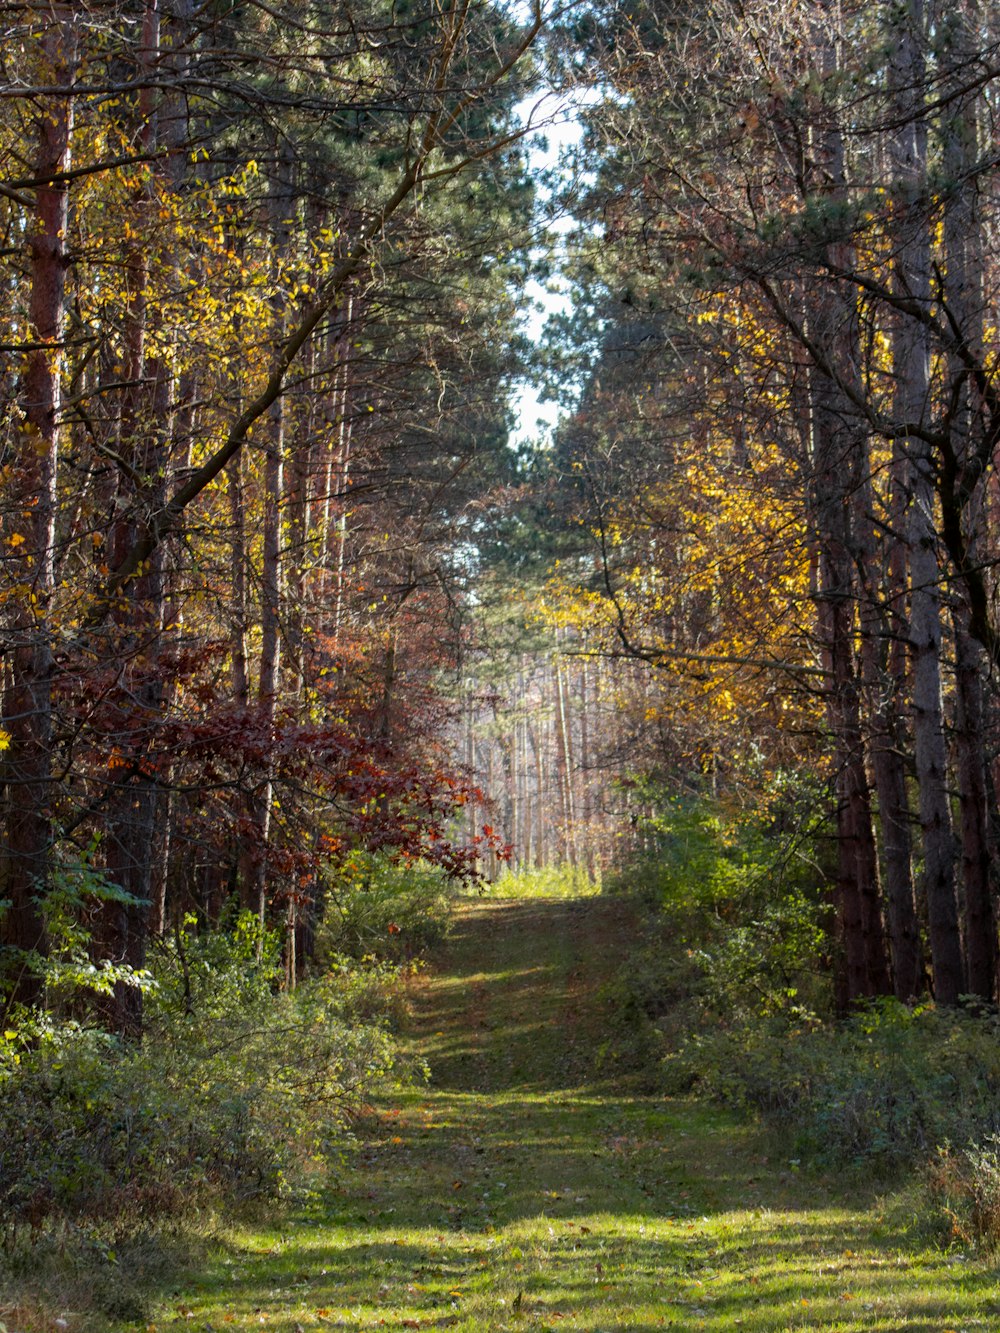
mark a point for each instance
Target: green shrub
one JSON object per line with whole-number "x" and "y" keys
{"x": 732, "y": 930}
{"x": 878, "y": 1091}
{"x": 71, "y": 981}
{"x": 703, "y": 851}
{"x": 728, "y": 991}
{"x": 374, "y": 906}
{"x": 238, "y": 1090}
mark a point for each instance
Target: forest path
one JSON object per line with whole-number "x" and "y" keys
{"x": 516, "y": 1192}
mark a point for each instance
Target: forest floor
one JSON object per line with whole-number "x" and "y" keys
{"x": 519, "y": 1190}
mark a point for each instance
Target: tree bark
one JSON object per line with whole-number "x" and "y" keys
{"x": 955, "y": 35}
{"x": 911, "y": 364}
{"x": 839, "y": 456}
{"x": 139, "y": 615}
{"x": 881, "y": 628}
{"x": 31, "y": 539}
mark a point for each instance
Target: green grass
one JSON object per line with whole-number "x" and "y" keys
{"x": 556, "y": 881}
{"x": 519, "y": 1192}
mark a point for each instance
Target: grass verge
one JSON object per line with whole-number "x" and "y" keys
{"x": 519, "y": 1192}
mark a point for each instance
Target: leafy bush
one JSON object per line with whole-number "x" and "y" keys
{"x": 880, "y": 1090}
{"x": 70, "y": 978}
{"x": 733, "y": 929}
{"x": 728, "y": 993}
{"x": 237, "y": 1090}
{"x": 376, "y": 906}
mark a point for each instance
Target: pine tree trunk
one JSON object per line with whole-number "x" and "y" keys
{"x": 955, "y": 30}
{"x": 879, "y": 623}
{"x": 339, "y": 474}
{"x": 565, "y": 765}
{"x": 31, "y": 536}
{"x": 238, "y": 578}
{"x": 911, "y": 363}
{"x": 255, "y": 885}
{"x": 839, "y": 454}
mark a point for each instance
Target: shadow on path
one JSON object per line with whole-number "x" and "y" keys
{"x": 521, "y": 1190}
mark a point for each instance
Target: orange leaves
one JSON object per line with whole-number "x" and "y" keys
{"x": 117, "y": 761}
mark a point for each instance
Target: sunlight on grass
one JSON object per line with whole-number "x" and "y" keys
{"x": 560, "y": 881}
{"x": 469, "y": 1217}
{"x": 514, "y": 1193}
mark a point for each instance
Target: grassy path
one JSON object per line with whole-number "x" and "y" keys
{"x": 515, "y": 1192}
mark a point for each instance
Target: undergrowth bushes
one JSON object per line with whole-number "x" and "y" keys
{"x": 376, "y": 906}
{"x": 729, "y": 995}
{"x": 238, "y": 1089}
{"x": 880, "y": 1090}
{"x": 733, "y": 931}
{"x": 964, "y": 1187}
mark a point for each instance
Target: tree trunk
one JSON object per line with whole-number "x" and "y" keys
{"x": 255, "y": 876}
{"x": 955, "y": 35}
{"x": 564, "y": 753}
{"x": 134, "y": 802}
{"x": 31, "y": 538}
{"x": 255, "y": 870}
{"x": 338, "y": 475}
{"x": 839, "y": 456}
{"x": 911, "y": 364}
{"x": 880, "y": 628}
{"x": 238, "y": 577}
